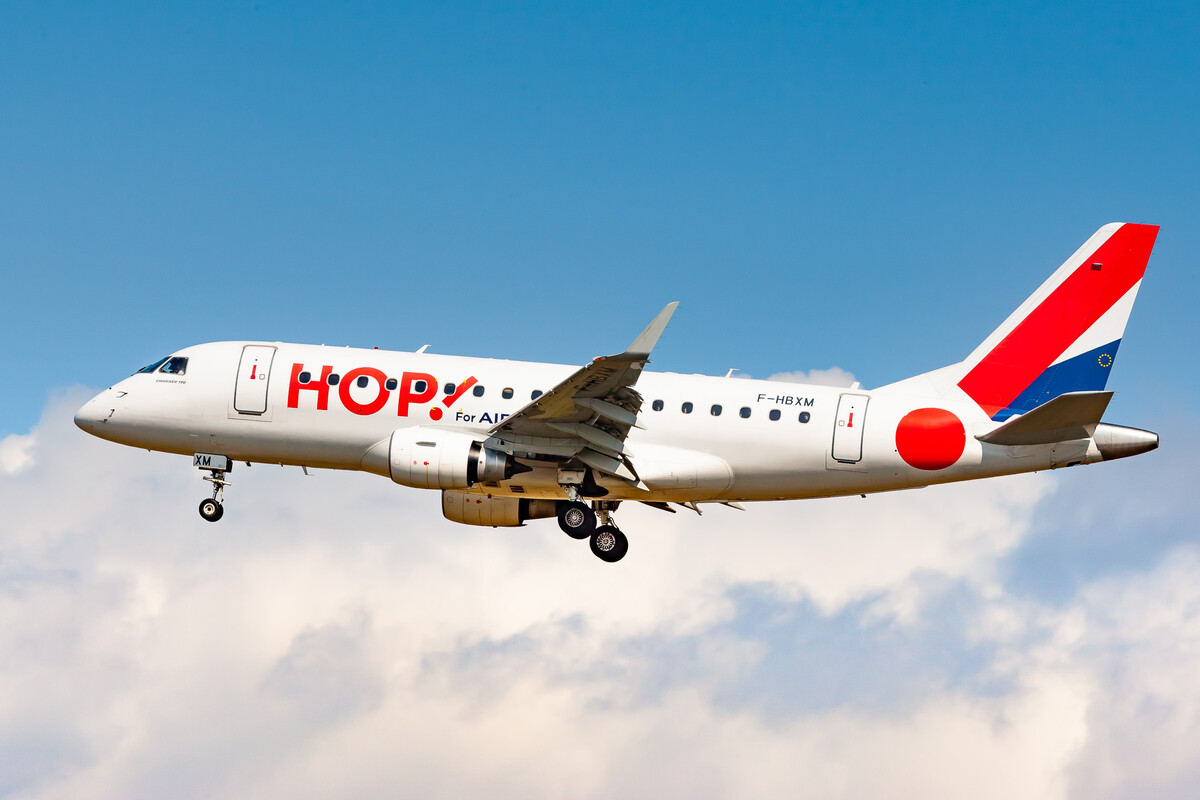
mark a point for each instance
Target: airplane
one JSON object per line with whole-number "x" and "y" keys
{"x": 507, "y": 442}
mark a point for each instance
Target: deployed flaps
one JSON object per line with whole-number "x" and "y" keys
{"x": 587, "y": 417}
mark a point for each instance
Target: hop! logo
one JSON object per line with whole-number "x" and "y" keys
{"x": 413, "y": 388}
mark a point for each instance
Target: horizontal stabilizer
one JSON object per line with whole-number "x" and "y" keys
{"x": 1074, "y": 415}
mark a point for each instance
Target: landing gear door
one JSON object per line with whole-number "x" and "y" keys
{"x": 848, "y": 430}
{"x": 253, "y": 380}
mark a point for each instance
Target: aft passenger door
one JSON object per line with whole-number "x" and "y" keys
{"x": 253, "y": 379}
{"x": 848, "y": 430}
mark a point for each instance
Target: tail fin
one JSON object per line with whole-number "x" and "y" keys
{"x": 1065, "y": 336}
{"x": 1063, "y": 339}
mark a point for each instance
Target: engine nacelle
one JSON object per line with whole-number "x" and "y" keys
{"x": 435, "y": 458}
{"x": 496, "y": 512}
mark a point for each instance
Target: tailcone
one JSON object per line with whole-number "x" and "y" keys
{"x": 1117, "y": 441}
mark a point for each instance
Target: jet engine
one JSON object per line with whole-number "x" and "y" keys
{"x": 507, "y": 512}
{"x": 434, "y": 458}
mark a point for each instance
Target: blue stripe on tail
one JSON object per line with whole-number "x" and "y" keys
{"x": 1087, "y": 372}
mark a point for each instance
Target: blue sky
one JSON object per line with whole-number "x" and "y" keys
{"x": 866, "y": 186}
{"x": 857, "y": 185}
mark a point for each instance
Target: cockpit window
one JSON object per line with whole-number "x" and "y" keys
{"x": 175, "y": 366}
{"x": 152, "y": 367}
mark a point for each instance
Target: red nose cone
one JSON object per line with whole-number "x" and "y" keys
{"x": 930, "y": 438}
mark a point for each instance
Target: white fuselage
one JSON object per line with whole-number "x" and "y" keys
{"x": 756, "y": 448}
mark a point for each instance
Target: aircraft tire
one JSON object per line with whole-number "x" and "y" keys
{"x": 576, "y": 520}
{"x": 211, "y": 510}
{"x": 609, "y": 544}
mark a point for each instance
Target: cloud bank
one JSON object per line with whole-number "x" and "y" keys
{"x": 834, "y": 376}
{"x": 332, "y": 636}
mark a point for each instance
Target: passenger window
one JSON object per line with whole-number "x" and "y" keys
{"x": 657, "y": 405}
{"x": 805, "y": 416}
{"x": 507, "y": 393}
{"x": 362, "y": 381}
{"x": 478, "y": 390}
{"x": 744, "y": 413}
{"x": 686, "y": 408}
{"x": 716, "y": 410}
{"x": 449, "y": 388}
{"x": 152, "y": 367}
{"x": 420, "y": 386}
{"x": 304, "y": 377}
{"x": 391, "y": 384}
{"x": 174, "y": 366}
{"x": 774, "y": 415}
{"x": 535, "y": 394}
{"x": 334, "y": 378}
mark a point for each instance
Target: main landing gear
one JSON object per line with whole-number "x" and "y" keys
{"x": 580, "y": 522}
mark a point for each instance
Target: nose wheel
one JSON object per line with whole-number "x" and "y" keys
{"x": 211, "y": 508}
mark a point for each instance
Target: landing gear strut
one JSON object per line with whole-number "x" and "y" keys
{"x": 210, "y": 507}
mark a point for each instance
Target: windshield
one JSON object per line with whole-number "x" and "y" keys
{"x": 152, "y": 367}
{"x": 172, "y": 365}
{"x": 175, "y": 366}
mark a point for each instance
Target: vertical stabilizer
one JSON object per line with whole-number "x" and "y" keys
{"x": 1064, "y": 338}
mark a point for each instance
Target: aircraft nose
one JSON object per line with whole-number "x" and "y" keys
{"x": 89, "y": 415}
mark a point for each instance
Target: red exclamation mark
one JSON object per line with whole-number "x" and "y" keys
{"x": 252, "y": 370}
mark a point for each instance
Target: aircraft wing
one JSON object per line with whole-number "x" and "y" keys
{"x": 587, "y": 416}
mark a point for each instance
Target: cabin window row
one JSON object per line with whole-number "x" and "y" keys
{"x": 418, "y": 386}
{"x": 715, "y": 410}
{"x": 507, "y": 393}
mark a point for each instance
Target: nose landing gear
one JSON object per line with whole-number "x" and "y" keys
{"x": 211, "y": 508}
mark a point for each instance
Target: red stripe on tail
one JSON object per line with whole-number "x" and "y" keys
{"x": 1060, "y": 319}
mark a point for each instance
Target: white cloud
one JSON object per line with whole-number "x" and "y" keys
{"x": 1140, "y": 635}
{"x": 333, "y": 636}
{"x": 15, "y": 453}
{"x": 834, "y": 376}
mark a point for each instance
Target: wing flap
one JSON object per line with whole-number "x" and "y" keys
{"x": 588, "y": 416}
{"x": 598, "y": 438}
{"x": 609, "y": 410}
{"x": 607, "y": 464}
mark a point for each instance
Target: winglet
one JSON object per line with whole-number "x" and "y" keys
{"x": 645, "y": 341}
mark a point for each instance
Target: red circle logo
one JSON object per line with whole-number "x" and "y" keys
{"x": 930, "y": 438}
